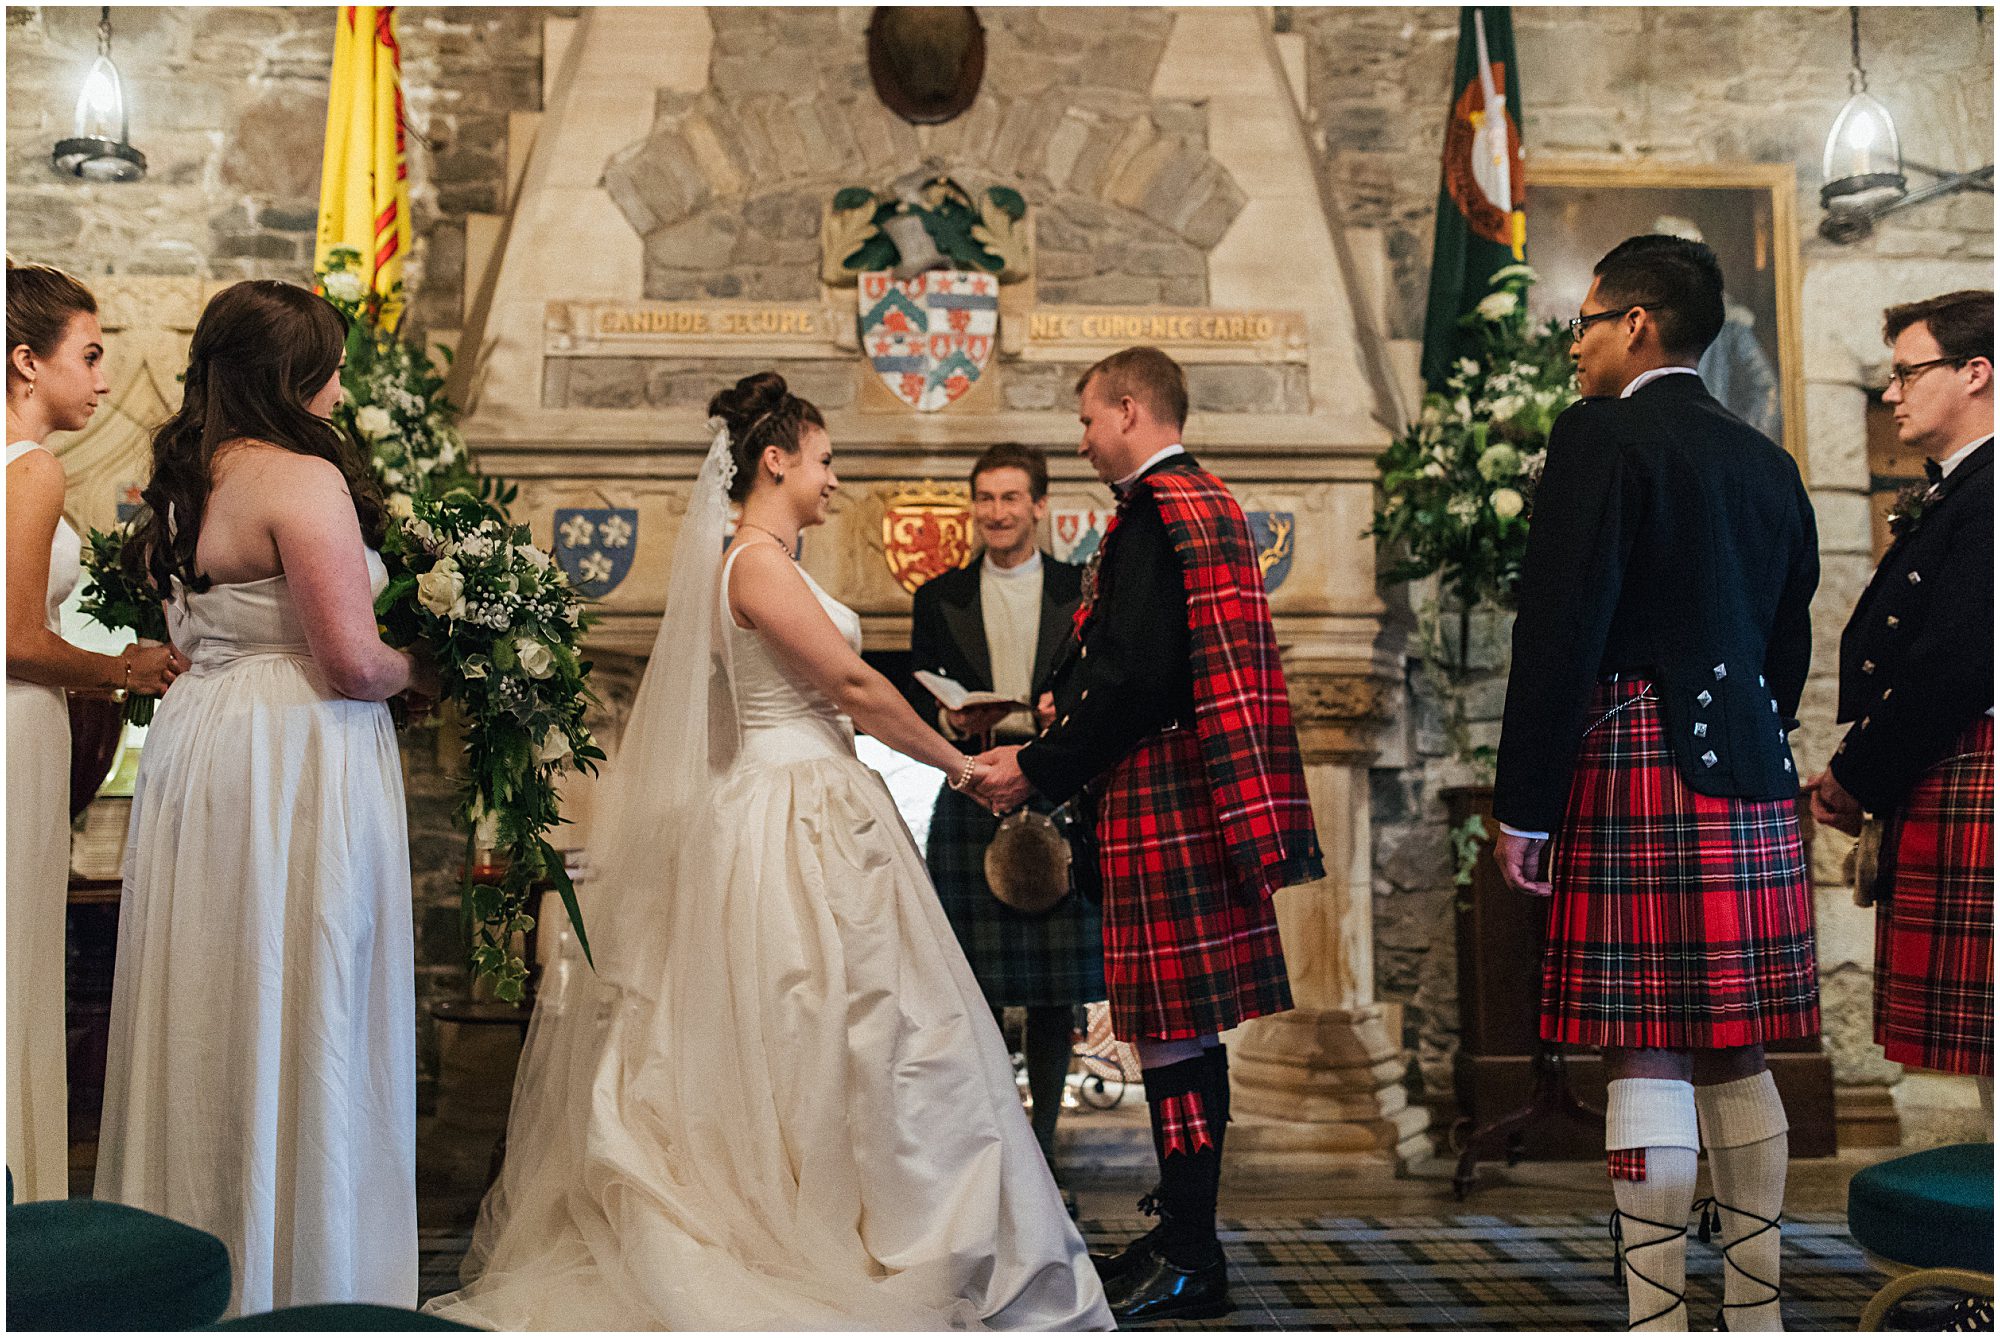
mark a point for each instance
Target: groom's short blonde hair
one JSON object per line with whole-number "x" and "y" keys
{"x": 1149, "y": 376}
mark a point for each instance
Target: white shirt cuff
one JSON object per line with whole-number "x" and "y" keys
{"x": 1532, "y": 836}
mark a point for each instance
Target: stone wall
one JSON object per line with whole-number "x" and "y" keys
{"x": 1703, "y": 85}
{"x": 728, "y": 186}
{"x": 229, "y": 107}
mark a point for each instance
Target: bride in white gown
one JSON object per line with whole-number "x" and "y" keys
{"x": 779, "y": 1100}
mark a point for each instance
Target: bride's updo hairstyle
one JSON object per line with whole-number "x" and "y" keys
{"x": 761, "y": 412}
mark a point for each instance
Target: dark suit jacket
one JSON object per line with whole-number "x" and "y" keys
{"x": 1133, "y": 675}
{"x": 1916, "y": 660}
{"x": 948, "y": 631}
{"x": 1671, "y": 539}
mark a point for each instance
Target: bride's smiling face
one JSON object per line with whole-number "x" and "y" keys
{"x": 809, "y": 482}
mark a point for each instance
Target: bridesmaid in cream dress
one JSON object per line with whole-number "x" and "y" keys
{"x": 55, "y": 359}
{"x": 262, "y": 1077}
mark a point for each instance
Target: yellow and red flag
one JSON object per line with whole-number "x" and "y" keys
{"x": 364, "y": 185}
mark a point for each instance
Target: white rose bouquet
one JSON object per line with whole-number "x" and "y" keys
{"x": 395, "y": 405}
{"x": 1458, "y": 484}
{"x": 504, "y": 627}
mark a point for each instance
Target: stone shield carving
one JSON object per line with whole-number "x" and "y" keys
{"x": 595, "y": 545}
{"x": 926, "y": 532}
{"x": 929, "y": 337}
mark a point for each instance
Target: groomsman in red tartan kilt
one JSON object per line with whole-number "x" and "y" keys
{"x": 1659, "y": 655}
{"x": 1173, "y": 724}
{"x": 1916, "y": 680}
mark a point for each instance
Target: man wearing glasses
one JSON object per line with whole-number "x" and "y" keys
{"x": 1916, "y": 681}
{"x": 1659, "y": 654}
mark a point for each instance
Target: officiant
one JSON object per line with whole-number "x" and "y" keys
{"x": 997, "y": 626}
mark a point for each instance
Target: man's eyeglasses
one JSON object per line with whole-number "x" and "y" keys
{"x": 1578, "y": 324}
{"x": 1901, "y": 374}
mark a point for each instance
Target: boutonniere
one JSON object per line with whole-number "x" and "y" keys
{"x": 1912, "y": 501}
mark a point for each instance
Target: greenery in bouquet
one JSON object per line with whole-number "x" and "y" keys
{"x": 1458, "y": 484}
{"x": 395, "y": 404}
{"x": 504, "y": 627}
{"x": 119, "y": 595}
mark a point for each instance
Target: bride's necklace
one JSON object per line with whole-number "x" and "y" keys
{"x": 791, "y": 548}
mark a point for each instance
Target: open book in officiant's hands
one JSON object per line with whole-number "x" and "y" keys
{"x": 955, "y": 696}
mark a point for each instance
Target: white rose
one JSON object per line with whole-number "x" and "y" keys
{"x": 1498, "y": 306}
{"x": 536, "y": 661}
{"x": 400, "y": 505}
{"x": 553, "y": 748}
{"x": 344, "y": 285}
{"x": 533, "y": 556}
{"x": 421, "y": 531}
{"x": 374, "y": 421}
{"x": 442, "y": 590}
{"x": 1433, "y": 470}
{"x": 1467, "y": 367}
{"x": 393, "y": 477}
{"x": 1506, "y": 503}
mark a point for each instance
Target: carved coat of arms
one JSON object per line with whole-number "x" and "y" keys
{"x": 926, "y": 532}
{"x": 595, "y": 545}
{"x": 1074, "y": 533}
{"x": 1272, "y": 532}
{"x": 929, "y": 336}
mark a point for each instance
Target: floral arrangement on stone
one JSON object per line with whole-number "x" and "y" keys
{"x": 1458, "y": 489}
{"x": 395, "y": 403}
{"x": 498, "y": 617}
{"x": 1458, "y": 484}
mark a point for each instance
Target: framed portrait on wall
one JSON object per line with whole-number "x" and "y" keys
{"x": 1746, "y": 212}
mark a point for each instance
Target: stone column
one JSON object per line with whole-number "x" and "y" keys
{"x": 1323, "y": 1084}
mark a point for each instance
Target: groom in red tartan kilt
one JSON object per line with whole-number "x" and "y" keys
{"x": 1174, "y": 727}
{"x": 1916, "y": 683}
{"x": 1659, "y": 656}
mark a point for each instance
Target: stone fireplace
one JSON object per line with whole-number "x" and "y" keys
{"x": 669, "y": 234}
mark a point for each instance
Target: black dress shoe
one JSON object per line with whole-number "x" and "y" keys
{"x": 1118, "y": 1263}
{"x": 1155, "y": 1288}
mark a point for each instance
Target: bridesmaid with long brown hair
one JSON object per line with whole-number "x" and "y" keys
{"x": 262, "y": 1074}
{"x": 55, "y": 376}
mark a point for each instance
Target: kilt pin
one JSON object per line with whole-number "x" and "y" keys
{"x": 1199, "y": 826}
{"x": 1934, "y": 926}
{"x": 1679, "y": 920}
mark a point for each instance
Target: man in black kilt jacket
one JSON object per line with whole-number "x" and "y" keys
{"x": 998, "y": 625}
{"x": 1659, "y": 654}
{"x": 1173, "y": 724}
{"x": 1916, "y": 681}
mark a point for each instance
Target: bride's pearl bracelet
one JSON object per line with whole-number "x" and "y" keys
{"x": 965, "y": 774}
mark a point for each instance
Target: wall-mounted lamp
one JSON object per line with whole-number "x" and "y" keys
{"x": 100, "y": 144}
{"x": 1863, "y": 163}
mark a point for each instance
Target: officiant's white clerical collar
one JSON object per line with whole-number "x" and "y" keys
{"x": 1028, "y": 566}
{"x": 1176, "y": 449}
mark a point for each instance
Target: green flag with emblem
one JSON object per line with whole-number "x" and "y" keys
{"x": 1481, "y": 218}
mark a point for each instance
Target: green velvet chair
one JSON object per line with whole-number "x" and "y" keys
{"x": 1927, "y": 1219}
{"x": 353, "y": 1317}
{"x": 79, "y": 1264}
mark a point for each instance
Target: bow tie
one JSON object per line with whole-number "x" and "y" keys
{"x": 1933, "y": 472}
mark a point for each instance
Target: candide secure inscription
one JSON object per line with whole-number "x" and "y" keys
{"x": 692, "y": 320}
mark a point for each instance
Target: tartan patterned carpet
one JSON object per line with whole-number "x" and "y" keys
{"x": 1458, "y": 1271}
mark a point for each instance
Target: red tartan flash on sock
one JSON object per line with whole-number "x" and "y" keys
{"x": 1626, "y": 1163}
{"x": 1184, "y": 1123}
